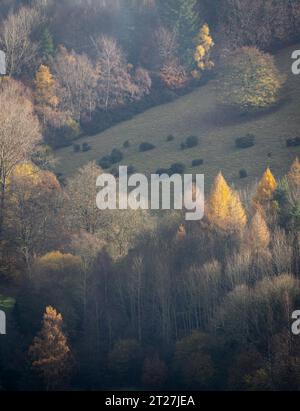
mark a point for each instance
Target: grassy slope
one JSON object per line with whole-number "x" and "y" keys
{"x": 195, "y": 114}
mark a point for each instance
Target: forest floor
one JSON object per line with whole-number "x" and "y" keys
{"x": 197, "y": 114}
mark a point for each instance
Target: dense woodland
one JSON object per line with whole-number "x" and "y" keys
{"x": 135, "y": 299}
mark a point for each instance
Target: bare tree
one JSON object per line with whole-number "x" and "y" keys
{"x": 15, "y": 38}
{"x": 78, "y": 80}
{"x": 115, "y": 83}
{"x": 19, "y": 133}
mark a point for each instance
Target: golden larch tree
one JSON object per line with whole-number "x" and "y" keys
{"x": 225, "y": 209}
{"x": 258, "y": 235}
{"x": 265, "y": 191}
{"x": 202, "y": 53}
{"x": 45, "y": 87}
{"x": 50, "y": 352}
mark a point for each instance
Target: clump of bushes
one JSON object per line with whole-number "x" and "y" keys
{"x": 107, "y": 161}
{"x": 245, "y": 142}
{"x": 198, "y": 162}
{"x": 170, "y": 138}
{"x": 177, "y": 168}
{"x": 116, "y": 156}
{"x": 293, "y": 142}
{"x": 190, "y": 142}
{"x": 243, "y": 174}
{"x": 146, "y": 147}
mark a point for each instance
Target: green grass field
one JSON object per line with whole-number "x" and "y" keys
{"x": 195, "y": 114}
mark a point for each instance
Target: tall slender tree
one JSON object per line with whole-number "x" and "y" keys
{"x": 183, "y": 18}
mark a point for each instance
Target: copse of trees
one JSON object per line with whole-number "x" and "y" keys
{"x": 249, "y": 81}
{"x": 134, "y": 288}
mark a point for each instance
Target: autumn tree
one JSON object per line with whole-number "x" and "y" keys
{"x": 265, "y": 190}
{"x": 224, "y": 208}
{"x": 45, "y": 87}
{"x": 204, "y": 44}
{"x": 57, "y": 278}
{"x": 50, "y": 353}
{"x": 34, "y": 212}
{"x": 248, "y": 81}
{"x": 19, "y": 133}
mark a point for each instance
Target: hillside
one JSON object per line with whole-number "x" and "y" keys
{"x": 195, "y": 114}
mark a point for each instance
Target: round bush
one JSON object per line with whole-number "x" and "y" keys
{"x": 170, "y": 138}
{"x": 116, "y": 156}
{"x": 126, "y": 144}
{"x": 105, "y": 162}
{"x": 146, "y": 147}
{"x": 177, "y": 168}
{"x": 197, "y": 162}
{"x": 249, "y": 81}
{"x": 192, "y": 141}
{"x": 245, "y": 142}
{"x": 243, "y": 174}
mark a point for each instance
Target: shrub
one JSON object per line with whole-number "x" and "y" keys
{"x": 170, "y": 138}
{"x": 146, "y": 147}
{"x": 86, "y": 147}
{"x": 243, "y": 174}
{"x": 76, "y": 148}
{"x": 126, "y": 144}
{"x": 245, "y": 142}
{"x": 105, "y": 162}
{"x": 197, "y": 163}
{"x": 177, "y": 168}
{"x": 249, "y": 81}
{"x": 192, "y": 141}
{"x": 116, "y": 156}
{"x": 293, "y": 142}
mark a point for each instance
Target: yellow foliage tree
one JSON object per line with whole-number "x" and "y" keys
{"x": 294, "y": 175}
{"x": 202, "y": 53}
{"x": 32, "y": 177}
{"x": 225, "y": 209}
{"x": 265, "y": 191}
{"x": 45, "y": 87}
{"x": 258, "y": 233}
{"x": 50, "y": 352}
